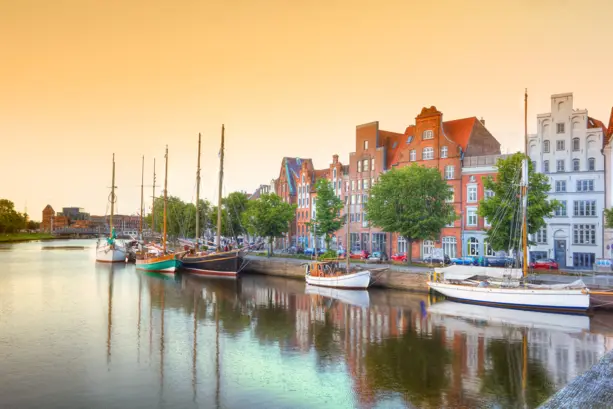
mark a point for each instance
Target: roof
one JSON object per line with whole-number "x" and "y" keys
{"x": 610, "y": 130}
{"x": 459, "y": 130}
{"x": 595, "y": 123}
{"x": 291, "y": 167}
{"x": 393, "y": 142}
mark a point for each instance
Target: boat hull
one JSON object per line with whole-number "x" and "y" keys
{"x": 226, "y": 264}
{"x": 164, "y": 264}
{"x": 359, "y": 280}
{"x": 569, "y": 300}
{"x": 108, "y": 254}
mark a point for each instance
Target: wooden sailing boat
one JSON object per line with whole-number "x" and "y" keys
{"x": 155, "y": 258}
{"x": 329, "y": 273}
{"x": 456, "y": 284}
{"x": 108, "y": 250}
{"x": 219, "y": 262}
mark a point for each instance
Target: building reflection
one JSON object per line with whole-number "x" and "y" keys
{"x": 395, "y": 347}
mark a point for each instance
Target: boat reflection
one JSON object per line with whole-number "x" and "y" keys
{"x": 351, "y": 297}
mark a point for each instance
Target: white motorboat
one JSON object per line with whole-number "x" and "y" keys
{"x": 327, "y": 274}
{"x": 110, "y": 252}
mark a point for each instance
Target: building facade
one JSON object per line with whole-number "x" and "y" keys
{"x": 568, "y": 148}
{"x": 608, "y": 155}
{"x": 47, "y": 220}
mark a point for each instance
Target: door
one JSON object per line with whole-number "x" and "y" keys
{"x": 560, "y": 253}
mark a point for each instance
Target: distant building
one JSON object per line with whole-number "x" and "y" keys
{"x": 74, "y": 213}
{"x": 47, "y": 221}
{"x": 568, "y": 148}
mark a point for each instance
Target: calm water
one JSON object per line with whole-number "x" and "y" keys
{"x": 76, "y": 334}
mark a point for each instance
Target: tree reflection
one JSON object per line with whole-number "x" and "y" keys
{"x": 503, "y": 380}
{"x": 328, "y": 350}
{"x": 413, "y": 365}
{"x": 274, "y": 323}
{"x": 232, "y": 318}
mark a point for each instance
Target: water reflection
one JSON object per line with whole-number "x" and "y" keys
{"x": 129, "y": 339}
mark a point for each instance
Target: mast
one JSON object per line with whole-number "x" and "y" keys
{"x": 142, "y": 184}
{"x": 198, "y": 196}
{"x": 112, "y": 200}
{"x": 524, "y": 189}
{"x": 221, "y": 153}
{"x": 165, "y": 196}
{"x": 153, "y": 203}
{"x": 348, "y": 249}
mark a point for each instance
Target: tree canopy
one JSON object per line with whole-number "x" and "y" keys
{"x": 327, "y": 212}
{"x": 411, "y": 201}
{"x": 503, "y": 209}
{"x": 180, "y": 217}
{"x": 269, "y": 217}
{"x": 11, "y": 221}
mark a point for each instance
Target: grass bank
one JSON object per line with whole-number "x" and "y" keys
{"x": 17, "y": 237}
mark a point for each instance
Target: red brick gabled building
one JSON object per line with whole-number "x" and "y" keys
{"x": 444, "y": 145}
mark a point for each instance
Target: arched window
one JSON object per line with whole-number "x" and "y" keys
{"x": 488, "y": 249}
{"x": 428, "y": 153}
{"x": 449, "y": 246}
{"x": 575, "y": 144}
{"x": 591, "y": 164}
{"x": 428, "y": 134}
{"x": 473, "y": 246}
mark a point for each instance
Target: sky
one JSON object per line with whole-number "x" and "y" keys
{"x": 83, "y": 79}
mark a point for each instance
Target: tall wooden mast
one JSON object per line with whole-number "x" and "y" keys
{"x": 348, "y": 249}
{"x": 165, "y": 197}
{"x": 153, "y": 202}
{"x": 198, "y": 196}
{"x": 221, "y": 153}
{"x": 524, "y": 189}
{"x": 142, "y": 185}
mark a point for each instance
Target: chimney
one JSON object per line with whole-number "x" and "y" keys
{"x": 335, "y": 159}
{"x": 482, "y": 121}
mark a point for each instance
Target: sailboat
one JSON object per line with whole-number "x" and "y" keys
{"x": 217, "y": 263}
{"x": 330, "y": 274}
{"x": 154, "y": 258}
{"x": 108, "y": 250}
{"x": 455, "y": 283}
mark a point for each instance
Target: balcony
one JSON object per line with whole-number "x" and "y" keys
{"x": 485, "y": 160}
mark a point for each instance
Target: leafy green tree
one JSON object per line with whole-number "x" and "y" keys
{"x": 11, "y": 221}
{"x": 327, "y": 212}
{"x": 411, "y": 201}
{"x": 269, "y": 217}
{"x": 503, "y": 209}
{"x": 608, "y": 216}
{"x": 32, "y": 225}
{"x": 235, "y": 204}
{"x": 180, "y": 217}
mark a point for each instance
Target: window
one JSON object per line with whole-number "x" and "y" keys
{"x": 428, "y": 154}
{"x": 591, "y": 164}
{"x": 561, "y": 211}
{"x": 546, "y": 146}
{"x": 584, "y": 234}
{"x": 353, "y": 185}
{"x": 584, "y": 208}
{"x": 372, "y": 164}
{"x": 471, "y": 194}
{"x": 559, "y": 128}
{"x": 365, "y": 184}
{"x": 340, "y": 185}
{"x": 444, "y": 152}
{"x": 449, "y": 246}
{"x": 427, "y": 247}
{"x": 365, "y": 145}
{"x": 560, "y": 186}
{"x": 585, "y": 260}
{"x": 575, "y": 165}
{"x": 412, "y": 155}
{"x": 585, "y": 186}
{"x": 489, "y": 193}
{"x": 489, "y": 251}
{"x": 560, "y": 145}
{"x": 541, "y": 235}
{"x": 451, "y": 198}
{"x": 560, "y": 165}
{"x": 471, "y": 217}
{"x": 449, "y": 172}
{"x": 473, "y": 246}
{"x": 334, "y": 173}
{"x": 365, "y": 165}
{"x": 359, "y": 166}
{"x": 546, "y": 166}
{"x": 533, "y": 165}
{"x": 428, "y": 134}
{"x": 575, "y": 144}
{"x": 352, "y": 199}
{"x": 486, "y": 223}
{"x": 402, "y": 245}
{"x": 372, "y": 181}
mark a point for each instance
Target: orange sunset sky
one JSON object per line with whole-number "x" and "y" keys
{"x": 81, "y": 79}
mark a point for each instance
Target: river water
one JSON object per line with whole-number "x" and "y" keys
{"x": 76, "y": 334}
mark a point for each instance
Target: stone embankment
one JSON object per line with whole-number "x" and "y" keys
{"x": 398, "y": 278}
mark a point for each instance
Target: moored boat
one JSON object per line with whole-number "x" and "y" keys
{"x": 328, "y": 274}
{"x": 168, "y": 263}
{"x": 109, "y": 250}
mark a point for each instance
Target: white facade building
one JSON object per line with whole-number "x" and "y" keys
{"x": 608, "y": 155}
{"x": 568, "y": 149}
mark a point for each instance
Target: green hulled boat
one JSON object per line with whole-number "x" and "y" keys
{"x": 162, "y": 264}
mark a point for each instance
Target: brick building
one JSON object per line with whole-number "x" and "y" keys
{"x": 446, "y": 146}
{"x": 48, "y": 215}
{"x": 286, "y": 188}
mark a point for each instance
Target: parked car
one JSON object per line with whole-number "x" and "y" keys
{"x": 402, "y": 257}
{"x": 464, "y": 261}
{"x": 359, "y": 254}
{"x": 544, "y": 264}
{"x": 500, "y": 261}
{"x": 437, "y": 260}
{"x": 378, "y": 256}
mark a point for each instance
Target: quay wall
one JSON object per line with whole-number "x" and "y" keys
{"x": 294, "y": 268}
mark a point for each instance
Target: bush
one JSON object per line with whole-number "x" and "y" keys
{"x": 330, "y": 254}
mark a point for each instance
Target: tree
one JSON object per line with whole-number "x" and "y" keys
{"x": 235, "y": 205}
{"x": 411, "y": 201}
{"x": 180, "y": 217}
{"x": 32, "y": 225}
{"x": 503, "y": 209}
{"x": 11, "y": 221}
{"x": 268, "y": 217}
{"x": 327, "y": 212}
{"x": 608, "y": 217}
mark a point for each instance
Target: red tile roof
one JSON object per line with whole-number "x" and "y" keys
{"x": 459, "y": 130}
{"x": 595, "y": 123}
{"x": 610, "y": 130}
{"x": 393, "y": 142}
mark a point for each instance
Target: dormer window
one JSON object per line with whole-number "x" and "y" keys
{"x": 365, "y": 145}
{"x": 428, "y": 134}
